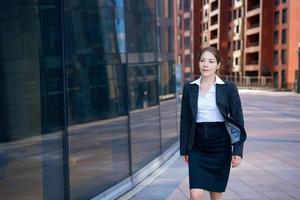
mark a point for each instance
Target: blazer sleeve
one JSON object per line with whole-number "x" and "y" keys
{"x": 185, "y": 121}
{"x": 236, "y": 112}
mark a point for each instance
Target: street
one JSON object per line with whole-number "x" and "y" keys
{"x": 270, "y": 168}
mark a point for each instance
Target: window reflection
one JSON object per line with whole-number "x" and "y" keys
{"x": 142, "y": 86}
{"x": 141, "y": 25}
{"x": 98, "y": 138}
{"x": 102, "y": 87}
{"x": 144, "y": 114}
{"x": 168, "y": 115}
{"x": 31, "y": 165}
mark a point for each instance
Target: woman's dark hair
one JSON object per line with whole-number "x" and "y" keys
{"x": 212, "y": 50}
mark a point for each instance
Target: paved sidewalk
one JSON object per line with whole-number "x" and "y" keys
{"x": 271, "y": 165}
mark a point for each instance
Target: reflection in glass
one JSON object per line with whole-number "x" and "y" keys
{"x": 31, "y": 77}
{"x": 142, "y": 86}
{"x": 98, "y": 138}
{"x": 168, "y": 115}
{"x": 141, "y": 25}
{"x": 167, "y": 105}
{"x": 144, "y": 115}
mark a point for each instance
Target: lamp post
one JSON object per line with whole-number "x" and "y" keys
{"x": 298, "y": 74}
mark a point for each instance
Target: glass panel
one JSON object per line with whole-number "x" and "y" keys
{"x": 144, "y": 114}
{"x": 31, "y": 163}
{"x": 283, "y": 56}
{"x": 167, "y": 76}
{"x": 141, "y": 24}
{"x": 284, "y": 15}
{"x": 167, "y": 105}
{"x": 284, "y": 36}
{"x": 98, "y": 119}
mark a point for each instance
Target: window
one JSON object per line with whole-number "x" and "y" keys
{"x": 275, "y": 37}
{"x": 187, "y": 60}
{"x": 187, "y": 42}
{"x": 276, "y": 17}
{"x": 186, "y": 23}
{"x": 284, "y": 15}
{"x": 240, "y": 13}
{"x": 283, "y": 36}
{"x": 275, "y": 58}
{"x": 236, "y": 61}
{"x": 237, "y": 29}
{"x": 283, "y": 56}
{"x": 238, "y": 45}
{"x": 186, "y": 5}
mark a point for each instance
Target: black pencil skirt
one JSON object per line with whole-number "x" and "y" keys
{"x": 210, "y": 158}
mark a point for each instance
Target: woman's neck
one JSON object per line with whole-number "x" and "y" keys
{"x": 208, "y": 80}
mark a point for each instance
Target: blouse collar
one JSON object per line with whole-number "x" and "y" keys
{"x": 218, "y": 81}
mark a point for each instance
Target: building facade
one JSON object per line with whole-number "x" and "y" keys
{"x": 87, "y": 96}
{"x": 258, "y": 39}
{"x": 285, "y": 41}
{"x": 184, "y": 31}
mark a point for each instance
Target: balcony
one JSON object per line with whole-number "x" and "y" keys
{"x": 253, "y": 22}
{"x": 252, "y": 40}
{"x": 214, "y": 6}
{"x": 252, "y": 58}
{"x": 253, "y": 4}
{"x": 214, "y": 34}
{"x": 214, "y": 20}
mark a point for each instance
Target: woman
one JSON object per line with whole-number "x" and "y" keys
{"x": 211, "y": 124}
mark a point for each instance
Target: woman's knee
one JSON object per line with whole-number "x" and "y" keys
{"x": 196, "y": 194}
{"x": 216, "y": 195}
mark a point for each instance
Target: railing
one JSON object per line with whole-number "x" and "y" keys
{"x": 251, "y": 81}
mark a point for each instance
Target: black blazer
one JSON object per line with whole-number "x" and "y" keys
{"x": 229, "y": 104}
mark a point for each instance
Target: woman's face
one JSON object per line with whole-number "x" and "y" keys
{"x": 208, "y": 64}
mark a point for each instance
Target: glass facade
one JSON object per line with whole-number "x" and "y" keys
{"x": 87, "y": 94}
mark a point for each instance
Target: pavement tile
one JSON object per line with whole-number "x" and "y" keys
{"x": 270, "y": 169}
{"x": 177, "y": 195}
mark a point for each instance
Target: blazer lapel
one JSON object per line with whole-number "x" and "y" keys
{"x": 221, "y": 97}
{"x": 194, "y": 99}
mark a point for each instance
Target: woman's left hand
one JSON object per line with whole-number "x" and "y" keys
{"x": 236, "y": 160}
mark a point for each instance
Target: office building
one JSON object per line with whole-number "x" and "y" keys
{"x": 257, "y": 39}
{"x": 88, "y": 104}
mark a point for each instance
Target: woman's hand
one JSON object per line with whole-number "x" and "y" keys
{"x": 185, "y": 158}
{"x": 236, "y": 161}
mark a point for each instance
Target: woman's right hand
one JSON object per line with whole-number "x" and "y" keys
{"x": 185, "y": 158}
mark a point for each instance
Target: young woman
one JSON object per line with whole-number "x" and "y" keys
{"x": 211, "y": 124}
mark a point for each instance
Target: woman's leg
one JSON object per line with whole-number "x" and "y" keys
{"x": 216, "y": 195}
{"x": 196, "y": 194}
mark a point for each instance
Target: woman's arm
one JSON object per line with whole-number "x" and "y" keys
{"x": 236, "y": 112}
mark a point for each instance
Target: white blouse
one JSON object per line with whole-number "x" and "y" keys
{"x": 207, "y": 110}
